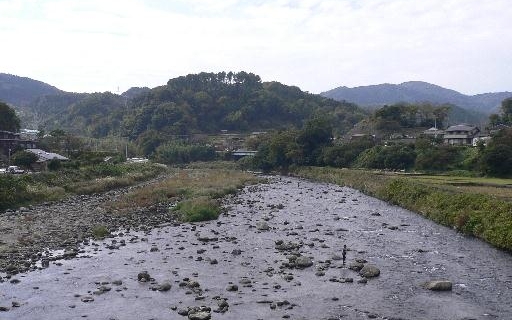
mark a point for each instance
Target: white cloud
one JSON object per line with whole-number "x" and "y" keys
{"x": 98, "y": 45}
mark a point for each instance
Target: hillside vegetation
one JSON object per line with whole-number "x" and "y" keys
{"x": 202, "y": 103}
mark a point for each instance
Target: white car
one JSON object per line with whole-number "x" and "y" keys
{"x": 15, "y": 170}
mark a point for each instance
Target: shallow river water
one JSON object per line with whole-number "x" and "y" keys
{"x": 318, "y": 219}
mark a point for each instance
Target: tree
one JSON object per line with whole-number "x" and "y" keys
{"x": 25, "y": 159}
{"x": 497, "y": 156}
{"x": 439, "y": 158}
{"x": 316, "y": 134}
{"x": 9, "y": 121}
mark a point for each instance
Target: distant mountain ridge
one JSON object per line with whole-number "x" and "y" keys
{"x": 20, "y": 91}
{"x": 416, "y": 92}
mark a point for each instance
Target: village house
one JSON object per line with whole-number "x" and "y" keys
{"x": 461, "y": 134}
{"x": 11, "y": 142}
{"x": 43, "y": 158}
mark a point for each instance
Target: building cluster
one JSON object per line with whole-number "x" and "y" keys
{"x": 11, "y": 142}
{"x": 461, "y": 134}
{"x": 457, "y": 135}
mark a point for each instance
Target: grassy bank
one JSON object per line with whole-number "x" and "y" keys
{"x": 475, "y": 206}
{"x": 21, "y": 190}
{"x": 194, "y": 194}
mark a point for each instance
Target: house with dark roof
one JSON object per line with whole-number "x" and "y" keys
{"x": 461, "y": 134}
{"x": 43, "y": 158}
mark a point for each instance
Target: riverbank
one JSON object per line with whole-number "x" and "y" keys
{"x": 35, "y": 188}
{"x": 477, "y": 208}
{"x": 29, "y": 234}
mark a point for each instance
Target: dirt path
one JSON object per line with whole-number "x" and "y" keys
{"x": 277, "y": 253}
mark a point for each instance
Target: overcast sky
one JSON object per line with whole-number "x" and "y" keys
{"x": 103, "y": 45}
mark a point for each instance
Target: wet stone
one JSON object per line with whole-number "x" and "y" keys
{"x": 232, "y": 287}
{"x": 87, "y": 299}
{"x": 439, "y": 285}
{"x": 356, "y": 266}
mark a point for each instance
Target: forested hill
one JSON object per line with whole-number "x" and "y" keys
{"x": 417, "y": 92}
{"x": 210, "y": 102}
{"x": 20, "y": 91}
{"x": 196, "y": 103}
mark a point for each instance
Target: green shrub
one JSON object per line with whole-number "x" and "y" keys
{"x": 54, "y": 165}
{"x": 13, "y": 191}
{"x": 100, "y": 232}
{"x": 198, "y": 209}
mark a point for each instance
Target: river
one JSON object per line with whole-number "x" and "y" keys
{"x": 234, "y": 266}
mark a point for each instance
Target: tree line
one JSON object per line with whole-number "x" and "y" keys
{"x": 314, "y": 145}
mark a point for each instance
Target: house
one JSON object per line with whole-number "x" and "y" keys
{"x": 481, "y": 139}
{"x": 461, "y": 134}
{"x": 11, "y": 142}
{"x": 44, "y": 158}
{"x": 433, "y": 133}
{"x": 240, "y": 153}
{"x": 362, "y": 136}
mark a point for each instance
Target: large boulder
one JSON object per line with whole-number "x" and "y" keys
{"x": 439, "y": 285}
{"x": 369, "y": 271}
{"x": 262, "y": 226}
{"x": 356, "y": 266}
{"x": 303, "y": 262}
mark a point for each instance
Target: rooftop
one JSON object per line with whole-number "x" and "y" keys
{"x": 46, "y": 156}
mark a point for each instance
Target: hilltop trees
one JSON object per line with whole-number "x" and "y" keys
{"x": 9, "y": 121}
{"x": 506, "y": 114}
{"x": 210, "y": 102}
{"x": 402, "y": 115}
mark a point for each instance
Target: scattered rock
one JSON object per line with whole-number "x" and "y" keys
{"x": 439, "y": 285}
{"x": 143, "y": 276}
{"x": 356, "y": 266}
{"x": 87, "y": 299}
{"x": 199, "y": 313}
{"x": 166, "y": 286}
{"x": 232, "y": 287}
{"x": 262, "y": 226}
{"x": 102, "y": 290}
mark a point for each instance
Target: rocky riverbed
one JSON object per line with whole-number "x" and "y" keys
{"x": 276, "y": 253}
{"x": 30, "y": 234}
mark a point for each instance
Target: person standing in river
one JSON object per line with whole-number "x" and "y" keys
{"x": 344, "y": 253}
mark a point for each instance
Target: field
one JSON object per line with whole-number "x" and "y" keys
{"x": 500, "y": 188}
